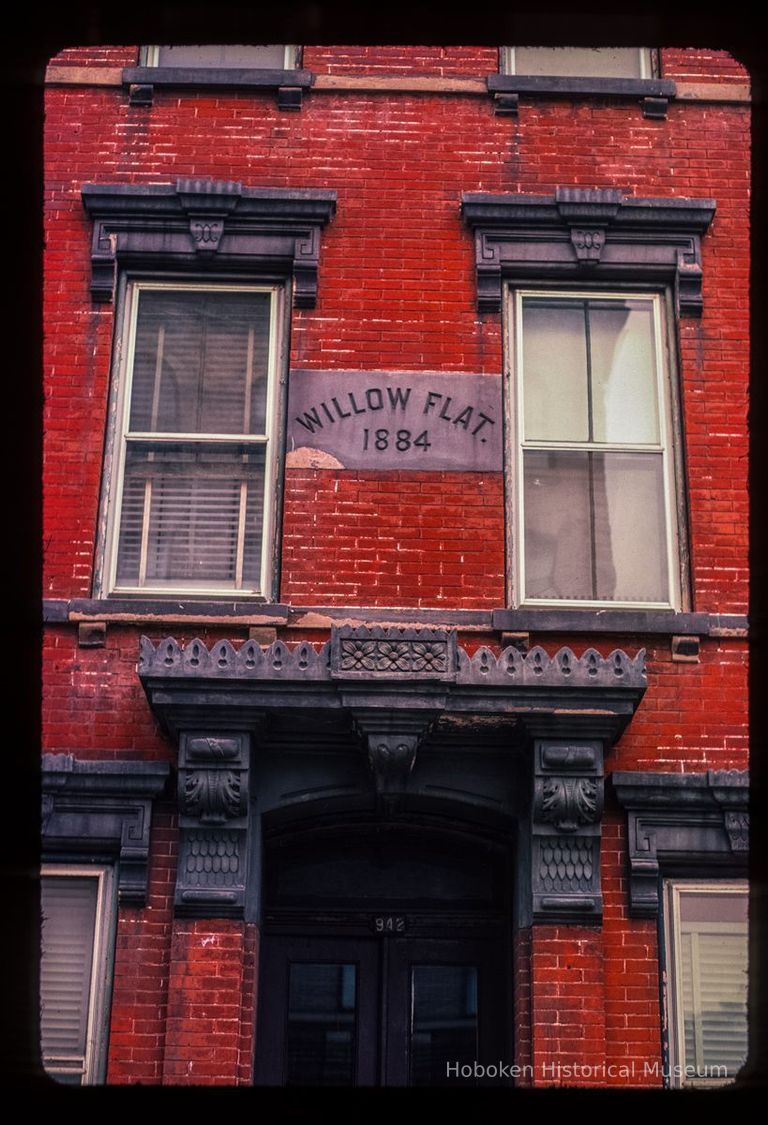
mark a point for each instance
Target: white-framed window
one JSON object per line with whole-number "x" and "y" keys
{"x": 270, "y": 56}
{"x": 191, "y": 482}
{"x": 594, "y": 502}
{"x": 578, "y": 62}
{"x": 705, "y": 934}
{"x": 78, "y": 918}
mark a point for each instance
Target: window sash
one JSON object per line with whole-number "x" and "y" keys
{"x": 663, "y": 448}
{"x": 71, "y": 1066}
{"x": 151, "y": 56}
{"x": 638, "y": 59}
{"x": 127, "y": 442}
{"x": 694, "y": 1034}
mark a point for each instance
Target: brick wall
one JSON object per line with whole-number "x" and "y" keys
{"x": 396, "y": 292}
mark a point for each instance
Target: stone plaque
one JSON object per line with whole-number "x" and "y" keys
{"x": 394, "y": 420}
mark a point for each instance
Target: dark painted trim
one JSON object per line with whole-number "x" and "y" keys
{"x": 693, "y": 822}
{"x": 289, "y": 84}
{"x": 623, "y": 622}
{"x": 243, "y": 77}
{"x": 207, "y": 225}
{"x": 587, "y": 236}
{"x": 570, "y": 86}
{"x": 196, "y": 687}
{"x": 617, "y": 621}
{"x": 92, "y": 808}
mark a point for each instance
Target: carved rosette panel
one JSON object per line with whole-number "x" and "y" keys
{"x": 565, "y": 827}
{"x": 213, "y": 803}
{"x": 361, "y": 652}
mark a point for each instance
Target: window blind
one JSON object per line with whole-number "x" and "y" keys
{"x": 69, "y": 908}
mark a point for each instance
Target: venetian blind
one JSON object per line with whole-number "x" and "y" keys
{"x": 69, "y": 921}
{"x": 192, "y": 510}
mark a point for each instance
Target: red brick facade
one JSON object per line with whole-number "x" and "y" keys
{"x": 397, "y": 292}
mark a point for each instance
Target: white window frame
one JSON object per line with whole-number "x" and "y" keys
{"x": 94, "y": 1063}
{"x": 646, "y": 64}
{"x": 673, "y": 889}
{"x": 115, "y": 469}
{"x": 150, "y": 55}
{"x": 666, "y": 445}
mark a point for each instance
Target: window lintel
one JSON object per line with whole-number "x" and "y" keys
{"x": 588, "y": 235}
{"x": 204, "y": 224}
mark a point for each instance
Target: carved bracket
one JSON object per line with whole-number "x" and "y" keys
{"x": 699, "y": 819}
{"x": 213, "y": 806}
{"x": 565, "y": 830}
{"x": 391, "y": 740}
{"x": 260, "y": 230}
{"x": 523, "y": 238}
{"x": 102, "y": 808}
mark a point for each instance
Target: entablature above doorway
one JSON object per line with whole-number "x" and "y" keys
{"x": 380, "y": 717}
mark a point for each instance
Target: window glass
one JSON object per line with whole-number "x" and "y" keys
{"x": 594, "y": 481}
{"x": 194, "y": 461}
{"x": 587, "y": 62}
{"x": 321, "y": 1031}
{"x": 75, "y": 934}
{"x": 443, "y": 1021}
{"x": 268, "y": 57}
{"x": 707, "y": 955}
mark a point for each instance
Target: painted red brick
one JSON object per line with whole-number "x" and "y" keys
{"x": 397, "y": 291}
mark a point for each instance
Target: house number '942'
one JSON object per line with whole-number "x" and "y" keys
{"x": 388, "y": 924}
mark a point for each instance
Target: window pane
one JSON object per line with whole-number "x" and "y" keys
{"x": 590, "y": 62}
{"x": 200, "y": 363}
{"x": 713, "y": 967}
{"x": 69, "y": 921}
{"x": 558, "y": 557}
{"x": 554, "y": 370}
{"x": 191, "y": 515}
{"x": 443, "y": 1021}
{"x": 321, "y": 1032}
{"x": 270, "y": 57}
{"x": 630, "y": 526}
{"x": 623, "y": 369}
{"x": 594, "y": 526}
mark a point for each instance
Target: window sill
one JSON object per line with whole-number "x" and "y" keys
{"x": 664, "y": 621}
{"x": 654, "y": 93}
{"x": 157, "y": 611}
{"x": 290, "y": 84}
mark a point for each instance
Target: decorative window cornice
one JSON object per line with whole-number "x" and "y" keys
{"x": 586, "y": 235}
{"x": 207, "y": 225}
{"x": 681, "y": 820}
{"x": 94, "y": 808}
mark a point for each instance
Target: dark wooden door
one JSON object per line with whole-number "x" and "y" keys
{"x": 383, "y": 1010}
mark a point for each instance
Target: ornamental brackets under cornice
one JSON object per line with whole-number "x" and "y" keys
{"x": 583, "y": 235}
{"x": 676, "y": 820}
{"x": 436, "y": 723}
{"x": 207, "y": 225}
{"x": 94, "y": 809}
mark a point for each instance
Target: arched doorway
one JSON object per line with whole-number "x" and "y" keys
{"x": 386, "y": 955}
